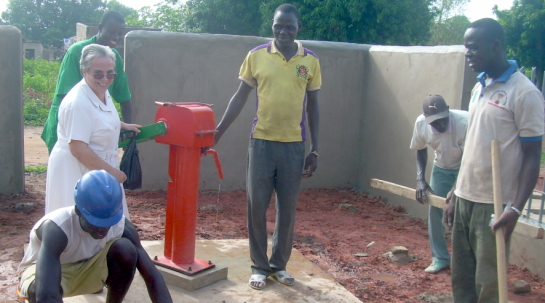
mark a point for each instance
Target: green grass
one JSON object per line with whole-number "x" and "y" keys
{"x": 39, "y": 81}
{"x": 36, "y": 169}
{"x": 542, "y": 157}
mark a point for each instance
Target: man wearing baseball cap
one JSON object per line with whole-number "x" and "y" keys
{"x": 77, "y": 250}
{"x": 443, "y": 130}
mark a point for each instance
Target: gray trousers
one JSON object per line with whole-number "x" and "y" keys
{"x": 272, "y": 166}
{"x": 474, "y": 270}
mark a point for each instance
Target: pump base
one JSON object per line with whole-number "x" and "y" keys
{"x": 196, "y": 281}
{"x": 190, "y": 269}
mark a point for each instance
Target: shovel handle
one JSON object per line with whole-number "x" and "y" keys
{"x": 498, "y": 210}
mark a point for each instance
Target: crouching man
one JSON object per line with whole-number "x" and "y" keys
{"x": 77, "y": 250}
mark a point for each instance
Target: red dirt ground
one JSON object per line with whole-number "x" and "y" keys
{"x": 325, "y": 233}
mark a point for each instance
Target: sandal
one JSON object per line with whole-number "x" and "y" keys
{"x": 257, "y": 281}
{"x": 283, "y": 277}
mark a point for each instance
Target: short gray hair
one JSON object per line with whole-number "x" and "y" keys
{"x": 92, "y": 51}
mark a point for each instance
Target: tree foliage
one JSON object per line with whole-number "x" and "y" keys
{"x": 39, "y": 80}
{"x": 124, "y": 10}
{"x": 236, "y": 17}
{"x": 446, "y": 9}
{"x": 165, "y": 16}
{"x": 359, "y": 21}
{"x": 49, "y": 21}
{"x": 449, "y": 24}
{"x": 525, "y": 32}
{"x": 450, "y": 31}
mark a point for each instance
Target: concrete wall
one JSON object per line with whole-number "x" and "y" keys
{"x": 369, "y": 101}
{"x": 204, "y": 68}
{"x": 399, "y": 80}
{"x": 527, "y": 252}
{"x": 36, "y": 47}
{"x": 12, "y": 178}
{"x": 370, "y": 98}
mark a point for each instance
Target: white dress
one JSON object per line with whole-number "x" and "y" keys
{"x": 82, "y": 117}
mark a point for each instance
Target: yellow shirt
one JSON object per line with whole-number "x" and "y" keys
{"x": 281, "y": 90}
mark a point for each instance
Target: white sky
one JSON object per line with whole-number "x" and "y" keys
{"x": 476, "y": 9}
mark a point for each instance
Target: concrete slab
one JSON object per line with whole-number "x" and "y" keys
{"x": 312, "y": 284}
{"x": 200, "y": 280}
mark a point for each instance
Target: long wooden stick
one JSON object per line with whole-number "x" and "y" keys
{"x": 498, "y": 210}
{"x": 522, "y": 227}
{"x": 407, "y": 192}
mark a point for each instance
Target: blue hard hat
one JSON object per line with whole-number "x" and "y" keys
{"x": 98, "y": 198}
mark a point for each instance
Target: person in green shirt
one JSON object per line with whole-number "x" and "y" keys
{"x": 110, "y": 31}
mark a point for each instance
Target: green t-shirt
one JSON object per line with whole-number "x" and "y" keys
{"x": 69, "y": 76}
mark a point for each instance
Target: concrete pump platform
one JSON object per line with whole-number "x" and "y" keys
{"x": 312, "y": 284}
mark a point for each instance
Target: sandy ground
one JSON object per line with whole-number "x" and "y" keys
{"x": 35, "y": 149}
{"x": 332, "y": 225}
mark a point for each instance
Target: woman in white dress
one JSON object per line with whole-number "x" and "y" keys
{"x": 88, "y": 130}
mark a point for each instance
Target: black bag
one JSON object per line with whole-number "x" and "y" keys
{"x": 130, "y": 165}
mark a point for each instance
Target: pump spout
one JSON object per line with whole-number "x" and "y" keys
{"x": 214, "y": 153}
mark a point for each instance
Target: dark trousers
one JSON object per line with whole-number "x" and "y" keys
{"x": 272, "y": 166}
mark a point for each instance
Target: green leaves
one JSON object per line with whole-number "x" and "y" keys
{"x": 525, "y": 33}
{"x": 450, "y": 31}
{"x": 49, "y": 21}
{"x": 39, "y": 81}
{"x": 358, "y": 21}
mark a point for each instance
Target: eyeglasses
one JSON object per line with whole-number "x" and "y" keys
{"x": 99, "y": 76}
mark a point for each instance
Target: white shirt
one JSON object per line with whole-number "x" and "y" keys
{"x": 80, "y": 246}
{"x": 82, "y": 117}
{"x": 448, "y": 146}
{"x": 509, "y": 110}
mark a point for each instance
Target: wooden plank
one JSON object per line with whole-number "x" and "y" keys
{"x": 410, "y": 193}
{"x": 407, "y": 192}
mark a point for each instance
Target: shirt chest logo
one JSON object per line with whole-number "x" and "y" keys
{"x": 499, "y": 97}
{"x": 302, "y": 71}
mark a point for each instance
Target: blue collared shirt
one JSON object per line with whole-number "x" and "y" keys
{"x": 513, "y": 66}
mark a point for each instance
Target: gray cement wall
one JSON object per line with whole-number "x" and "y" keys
{"x": 399, "y": 80}
{"x": 204, "y": 68}
{"x": 369, "y": 101}
{"x": 12, "y": 177}
{"x": 370, "y": 98}
{"x": 527, "y": 252}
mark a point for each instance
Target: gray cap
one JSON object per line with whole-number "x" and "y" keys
{"x": 435, "y": 108}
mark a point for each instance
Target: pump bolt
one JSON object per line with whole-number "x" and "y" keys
{"x": 155, "y": 258}
{"x": 190, "y": 269}
{"x": 209, "y": 262}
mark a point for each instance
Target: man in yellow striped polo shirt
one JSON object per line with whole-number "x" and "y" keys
{"x": 287, "y": 77}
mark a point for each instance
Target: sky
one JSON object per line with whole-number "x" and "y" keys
{"x": 476, "y": 9}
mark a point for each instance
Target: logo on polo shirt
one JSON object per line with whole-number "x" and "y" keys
{"x": 499, "y": 97}
{"x": 302, "y": 71}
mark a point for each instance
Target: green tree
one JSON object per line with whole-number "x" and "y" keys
{"x": 235, "y": 17}
{"x": 39, "y": 80}
{"x": 124, "y": 10}
{"x": 450, "y": 31}
{"x": 449, "y": 24}
{"x": 525, "y": 33}
{"x": 166, "y": 16}
{"x": 445, "y": 9}
{"x": 49, "y": 21}
{"x": 359, "y": 21}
